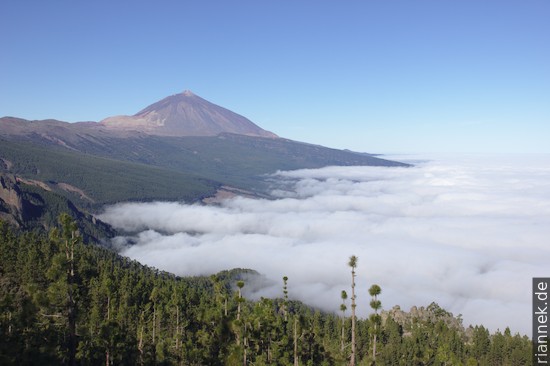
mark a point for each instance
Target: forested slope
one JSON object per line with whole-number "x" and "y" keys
{"x": 63, "y": 302}
{"x": 111, "y": 169}
{"x": 102, "y": 179}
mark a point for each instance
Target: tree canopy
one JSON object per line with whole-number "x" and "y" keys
{"x": 63, "y": 302}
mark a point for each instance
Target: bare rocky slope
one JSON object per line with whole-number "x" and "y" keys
{"x": 186, "y": 114}
{"x": 31, "y": 205}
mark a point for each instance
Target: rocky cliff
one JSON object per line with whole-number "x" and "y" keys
{"x": 31, "y": 205}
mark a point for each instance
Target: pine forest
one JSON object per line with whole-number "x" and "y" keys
{"x": 63, "y": 302}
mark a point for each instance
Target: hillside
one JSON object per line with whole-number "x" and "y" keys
{"x": 32, "y": 205}
{"x": 166, "y": 168}
{"x": 98, "y": 180}
{"x": 182, "y": 147}
{"x": 116, "y": 311}
{"x": 179, "y": 148}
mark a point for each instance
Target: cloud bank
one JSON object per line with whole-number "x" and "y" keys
{"x": 466, "y": 232}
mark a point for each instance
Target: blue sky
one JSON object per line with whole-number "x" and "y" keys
{"x": 379, "y": 76}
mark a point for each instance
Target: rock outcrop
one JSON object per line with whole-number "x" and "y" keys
{"x": 11, "y": 202}
{"x": 432, "y": 314}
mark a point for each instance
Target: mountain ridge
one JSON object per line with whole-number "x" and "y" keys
{"x": 107, "y": 164}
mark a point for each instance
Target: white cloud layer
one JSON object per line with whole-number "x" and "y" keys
{"x": 466, "y": 232}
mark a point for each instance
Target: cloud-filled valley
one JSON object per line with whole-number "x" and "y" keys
{"x": 466, "y": 232}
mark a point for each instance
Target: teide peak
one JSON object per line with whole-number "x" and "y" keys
{"x": 186, "y": 114}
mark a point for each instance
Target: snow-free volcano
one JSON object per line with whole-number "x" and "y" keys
{"x": 186, "y": 114}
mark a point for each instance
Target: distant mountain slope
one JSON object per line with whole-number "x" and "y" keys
{"x": 180, "y": 148}
{"x": 186, "y": 114}
{"x": 93, "y": 180}
{"x": 166, "y": 168}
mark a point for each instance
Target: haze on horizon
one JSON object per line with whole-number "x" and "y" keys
{"x": 400, "y": 76}
{"x": 466, "y": 232}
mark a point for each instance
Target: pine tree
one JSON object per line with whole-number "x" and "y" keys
{"x": 239, "y": 330}
{"x": 353, "y": 264}
{"x": 285, "y": 299}
{"x": 62, "y": 273}
{"x": 240, "y": 285}
{"x": 375, "y": 304}
{"x": 343, "y": 308}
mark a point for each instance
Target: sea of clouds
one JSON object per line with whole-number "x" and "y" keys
{"x": 468, "y": 232}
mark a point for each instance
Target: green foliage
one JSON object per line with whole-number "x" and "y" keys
{"x": 104, "y": 180}
{"x": 130, "y": 314}
{"x": 146, "y": 168}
